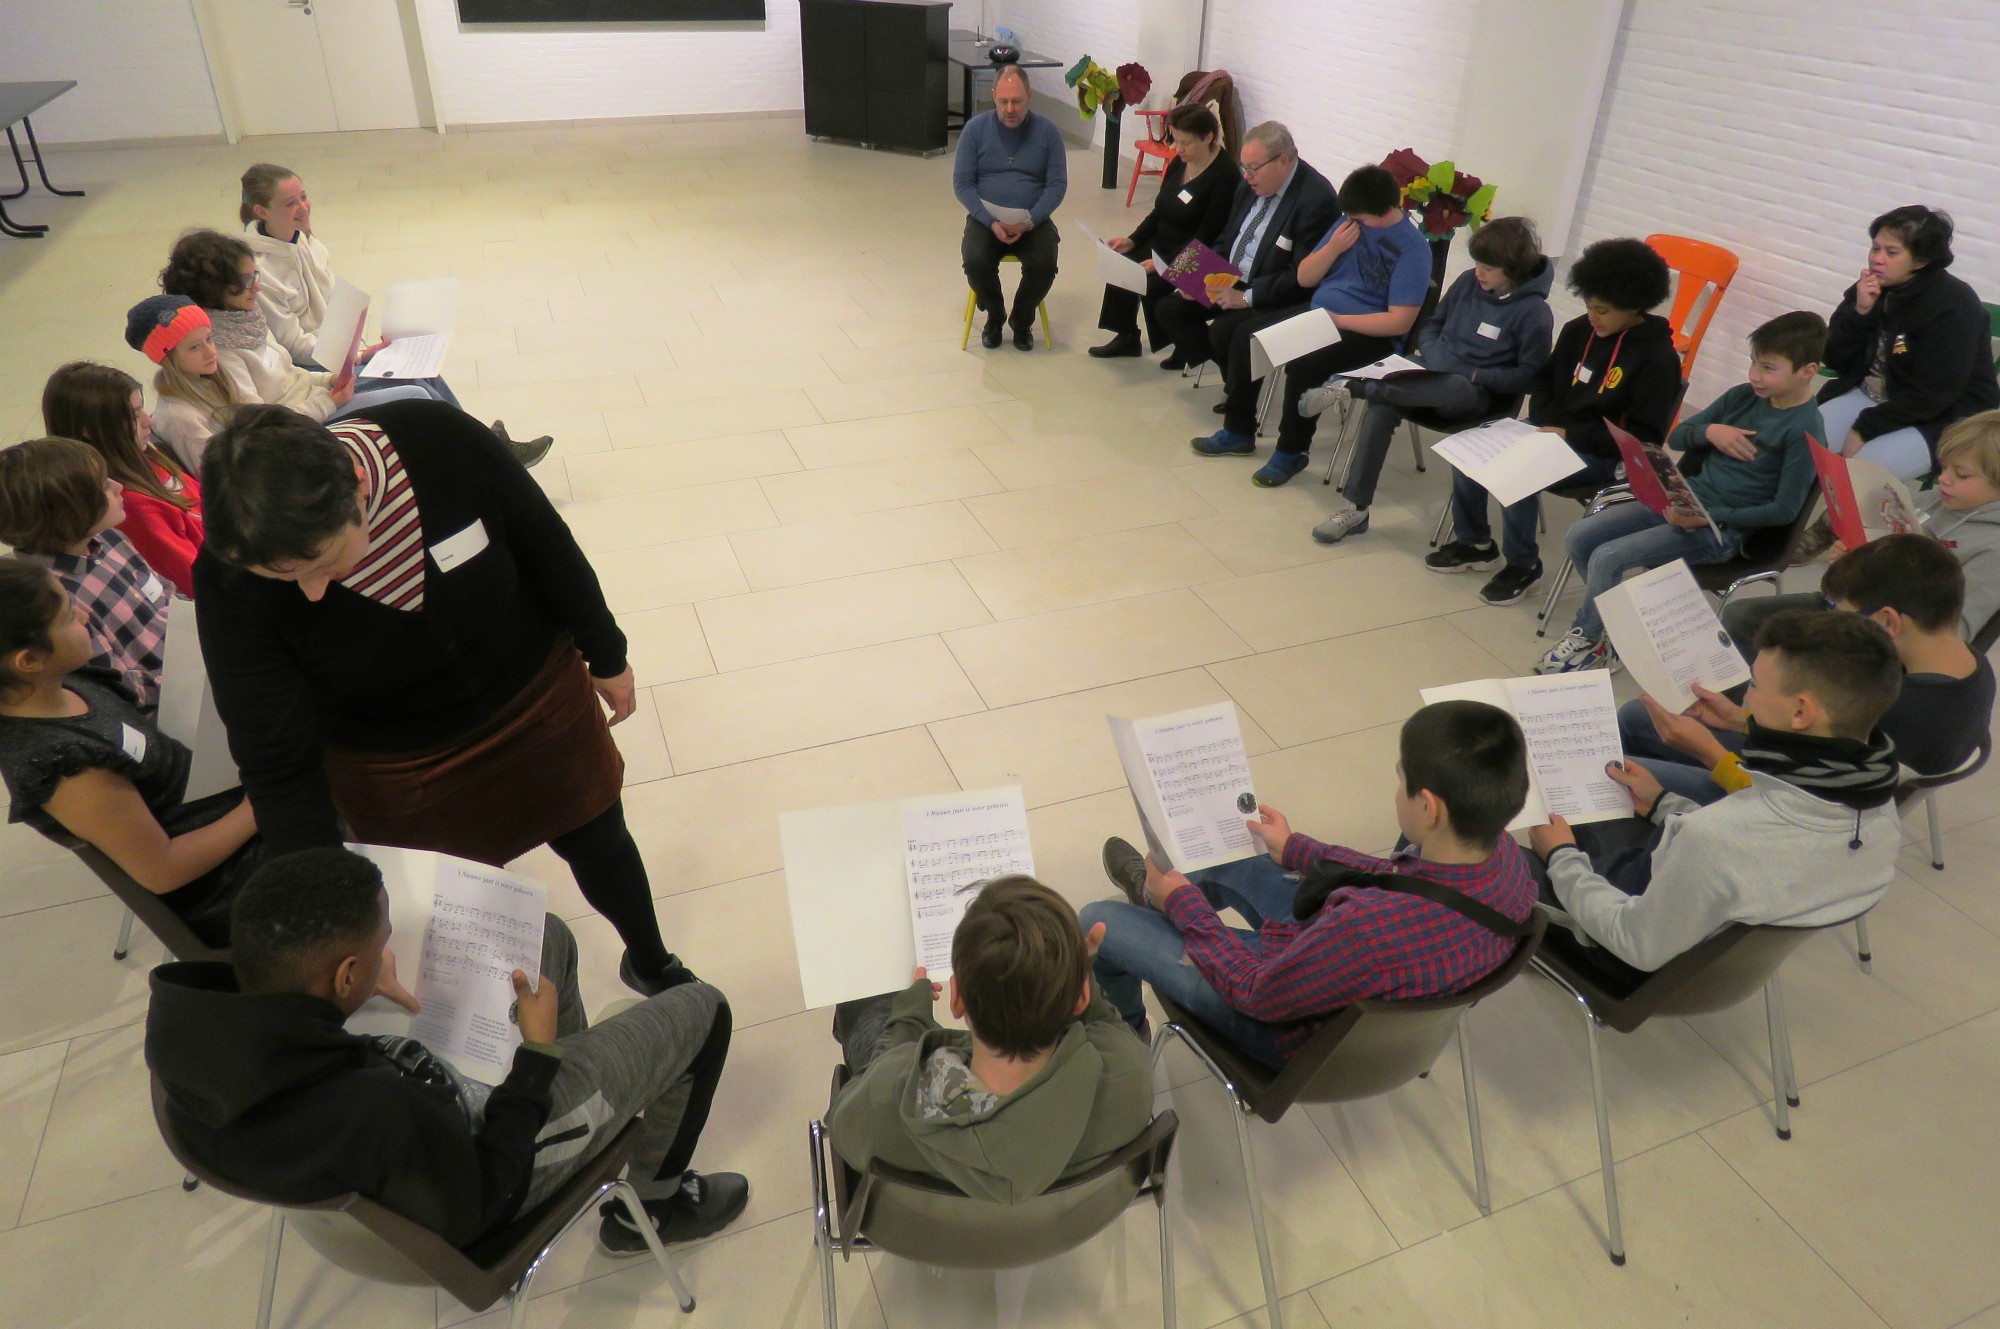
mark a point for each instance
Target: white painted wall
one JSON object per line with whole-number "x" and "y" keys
{"x": 138, "y": 66}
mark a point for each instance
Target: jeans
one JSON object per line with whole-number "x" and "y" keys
{"x": 1677, "y": 772}
{"x": 1517, "y": 520}
{"x": 435, "y": 388}
{"x": 662, "y": 1057}
{"x": 981, "y": 251}
{"x": 1141, "y": 945}
{"x": 1619, "y": 851}
{"x": 1631, "y": 537}
{"x": 1904, "y": 452}
{"x": 1452, "y": 395}
{"x": 1353, "y": 350}
{"x": 361, "y": 402}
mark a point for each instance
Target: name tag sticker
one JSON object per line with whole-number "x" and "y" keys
{"x": 133, "y": 742}
{"x": 1488, "y": 330}
{"x": 1187, "y": 196}
{"x": 453, "y": 550}
{"x": 1583, "y": 374}
{"x": 1285, "y": 243}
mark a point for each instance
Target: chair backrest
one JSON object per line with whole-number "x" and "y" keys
{"x": 1982, "y": 640}
{"x": 1218, "y": 88}
{"x": 1993, "y": 328}
{"x": 1965, "y": 770}
{"x": 932, "y": 1222}
{"x": 1723, "y": 971}
{"x": 1768, "y": 547}
{"x": 148, "y": 908}
{"x": 360, "y": 1236}
{"x": 1702, "y": 275}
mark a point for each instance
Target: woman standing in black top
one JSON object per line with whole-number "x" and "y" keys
{"x": 1193, "y": 204}
{"x": 400, "y": 630}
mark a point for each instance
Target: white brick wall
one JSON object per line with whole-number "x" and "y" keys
{"x": 138, "y": 66}
{"x": 1107, "y": 30}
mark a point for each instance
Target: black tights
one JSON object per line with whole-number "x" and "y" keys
{"x": 605, "y": 861}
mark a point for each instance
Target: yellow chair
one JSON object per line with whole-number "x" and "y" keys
{"x": 972, "y": 309}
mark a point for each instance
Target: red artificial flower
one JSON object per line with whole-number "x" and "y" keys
{"x": 1463, "y": 186}
{"x": 1133, "y": 84}
{"x": 1406, "y": 166}
{"x": 1443, "y": 215}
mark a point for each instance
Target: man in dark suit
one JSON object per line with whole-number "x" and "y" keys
{"x": 1283, "y": 209}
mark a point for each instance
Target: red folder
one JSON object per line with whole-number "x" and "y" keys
{"x": 1836, "y": 485}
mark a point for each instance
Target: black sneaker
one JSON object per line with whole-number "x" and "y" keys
{"x": 702, "y": 1207}
{"x": 647, "y": 985}
{"x": 1461, "y": 557}
{"x": 1510, "y": 584}
{"x": 1126, "y": 867}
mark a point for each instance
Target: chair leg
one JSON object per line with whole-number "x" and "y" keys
{"x": 1482, "y": 1195}
{"x": 268, "y": 1293}
{"x": 1781, "y": 1091}
{"x": 1416, "y": 444}
{"x": 190, "y": 1182}
{"x": 622, "y": 1190}
{"x": 1444, "y": 524}
{"x": 1048, "y": 338}
{"x": 124, "y": 946}
{"x": 1614, "y": 1228}
{"x": 1341, "y": 458}
{"x": 1274, "y": 384}
{"x": 1257, "y": 1216}
{"x": 1785, "y": 1044}
{"x": 1168, "y": 1310}
{"x": 1555, "y": 590}
{"x": 971, "y": 308}
{"x": 1862, "y": 951}
{"x": 1200, "y": 370}
{"x": 823, "y": 1227}
{"x": 1937, "y": 829}
{"x": 1133, "y": 188}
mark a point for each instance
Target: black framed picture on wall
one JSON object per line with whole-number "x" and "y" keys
{"x": 608, "y": 11}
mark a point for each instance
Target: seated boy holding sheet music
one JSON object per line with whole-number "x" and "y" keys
{"x": 1812, "y": 840}
{"x": 1746, "y": 459}
{"x": 1913, "y": 587}
{"x": 1042, "y": 1082}
{"x": 268, "y": 1089}
{"x": 1331, "y": 925}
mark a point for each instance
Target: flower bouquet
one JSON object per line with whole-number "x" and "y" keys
{"x": 1443, "y": 197}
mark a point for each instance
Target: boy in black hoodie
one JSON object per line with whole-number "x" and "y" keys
{"x": 1614, "y": 364}
{"x": 268, "y": 1089}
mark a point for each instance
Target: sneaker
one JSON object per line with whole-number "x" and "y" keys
{"x": 1124, "y": 344}
{"x": 1509, "y": 584}
{"x": 1280, "y": 469}
{"x": 1222, "y": 443}
{"x": 1346, "y": 522}
{"x": 527, "y": 453}
{"x": 1314, "y": 400}
{"x": 1126, "y": 867}
{"x": 1461, "y": 557}
{"x": 669, "y": 978}
{"x": 702, "y": 1207}
{"x": 1577, "y": 650}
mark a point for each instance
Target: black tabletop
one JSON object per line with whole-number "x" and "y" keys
{"x": 969, "y": 50}
{"x": 18, "y": 101}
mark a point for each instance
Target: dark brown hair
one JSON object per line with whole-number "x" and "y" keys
{"x": 1800, "y": 337}
{"x": 275, "y": 488}
{"x": 1472, "y": 757}
{"x": 1020, "y": 964}
{"x": 1194, "y": 119}
{"x": 1911, "y": 574}
{"x": 206, "y": 267}
{"x": 30, "y": 599}
{"x": 1847, "y": 661}
{"x": 260, "y": 185}
{"x": 51, "y": 494}
{"x": 1509, "y": 244}
{"x": 92, "y": 403}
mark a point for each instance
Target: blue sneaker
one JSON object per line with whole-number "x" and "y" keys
{"x": 1280, "y": 469}
{"x": 1222, "y": 443}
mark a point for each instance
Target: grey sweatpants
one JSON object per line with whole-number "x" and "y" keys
{"x": 662, "y": 1057}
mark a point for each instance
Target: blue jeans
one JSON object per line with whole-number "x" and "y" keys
{"x": 1677, "y": 772}
{"x": 1904, "y": 452}
{"x": 1631, "y": 537}
{"x": 1142, "y": 946}
{"x": 1517, "y": 520}
{"x": 362, "y": 401}
{"x": 434, "y": 388}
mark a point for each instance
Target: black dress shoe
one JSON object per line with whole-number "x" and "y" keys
{"x": 989, "y": 337}
{"x": 1024, "y": 338}
{"x": 1174, "y": 363}
{"x": 1220, "y": 408}
{"x": 1125, "y": 343}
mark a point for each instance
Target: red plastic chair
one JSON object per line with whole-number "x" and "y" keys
{"x": 1153, "y": 146}
{"x": 1702, "y": 275}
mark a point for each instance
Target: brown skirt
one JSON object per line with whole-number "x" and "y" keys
{"x": 544, "y": 766}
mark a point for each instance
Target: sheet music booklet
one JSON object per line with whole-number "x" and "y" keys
{"x": 1655, "y": 478}
{"x": 1669, "y": 637}
{"x": 1571, "y": 724}
{"x": 1509, "y": 458}
{"x": 1190, "y": 779}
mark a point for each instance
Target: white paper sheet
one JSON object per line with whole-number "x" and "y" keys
{"x": 1884, "y": 501}
{"x": 1115, "y": 268}
{"x": 410, "y": 357}
{"x": 1571, "y": 727}
{"x": 1288, "y": 339}
{"x": 1665, "y": 631}
{"x": 339, "y": 335}
{"x": 459, "y": 931}
{"x": 419, "y": 308}
{"x": 1002, "y": 213}
{"x": 187, "y": 707}
{"x": 952, "y": 842}
{"x": 1394, "y": 364}
{"x": 1190, "y": 779}
{"x": 1511, "y": 459}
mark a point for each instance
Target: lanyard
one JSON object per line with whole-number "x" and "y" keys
{"x": 1610, "y": 365}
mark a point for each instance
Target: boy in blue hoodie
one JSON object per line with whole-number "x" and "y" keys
{"x": 1487, "y": 340}
{"x": 1747, "y": 461}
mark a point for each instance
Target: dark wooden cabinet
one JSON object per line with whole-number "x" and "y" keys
{"x": 875, "y": 71}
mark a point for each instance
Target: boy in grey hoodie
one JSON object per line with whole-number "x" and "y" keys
{"x": 1812, "y": 841}
{"x": 1044, "y": 1081}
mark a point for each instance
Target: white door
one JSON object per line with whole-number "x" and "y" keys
{"x": 314, "y": 66}
{"x": 367, "y": 63}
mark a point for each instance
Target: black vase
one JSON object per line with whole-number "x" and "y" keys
{"x": 1111, "y": 123}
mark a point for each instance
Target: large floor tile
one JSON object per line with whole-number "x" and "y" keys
{"x": 62, "y": 981}
{"x": 606, "y": 527}
{"x": 666, "y": 645}
{"x": 821, "y": 550}
{"x": 27, "y": 1089}
{"x": 659, "y": 575}
{"x": 699, "y": 461}
{"x": 890, "y": 437}
{"x": 876, "y": 486}
{"x": 1085, "y": 507}
{"x": 1967, "y": 879}
{"x": 712, "y": 417}
{"x": 100, "y": 1143}
{"x": 926, "y": 392}
{"x": 1015, "y": 583}
{"x": 1334, "y": 599}
{"x": 765, "y": 627}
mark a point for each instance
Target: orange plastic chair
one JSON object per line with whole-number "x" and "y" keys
{"x": 1153, "y": 146}
{"x": 1702, "y": 275}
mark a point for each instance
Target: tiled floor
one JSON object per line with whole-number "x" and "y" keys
{"x": 858, "y": 562}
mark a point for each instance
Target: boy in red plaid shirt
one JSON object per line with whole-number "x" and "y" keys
{"x": 1463, "y": 775}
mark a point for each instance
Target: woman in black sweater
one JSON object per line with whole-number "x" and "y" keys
{"x": 400, "y": 631}
{"x": 1193, "y": 204}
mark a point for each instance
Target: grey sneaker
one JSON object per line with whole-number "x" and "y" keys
{"x": 527, "y": 453}
{"x": 1126, "y": 867}
{"x": 1348, "y": 521}
{"x": 1315, "y": 400}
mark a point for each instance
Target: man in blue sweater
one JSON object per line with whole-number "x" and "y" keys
{"x": 1011, "y": 157}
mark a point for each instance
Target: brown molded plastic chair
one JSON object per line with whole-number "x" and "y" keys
{"x": 1366, "y": 1049}
{"x": 142, "y": 904}
{"x": 362, "y": 1237}
{"x": 1702, "y": 275}
{"x": 1721, "y": 972}
{"x": 930, "y": 1221}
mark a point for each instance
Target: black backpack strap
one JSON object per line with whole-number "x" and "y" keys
{"x": 1318, "y": 884}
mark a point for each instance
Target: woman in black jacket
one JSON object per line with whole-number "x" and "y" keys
{"x": 1193, "y": 204}
{"x": 1910, "y": 347}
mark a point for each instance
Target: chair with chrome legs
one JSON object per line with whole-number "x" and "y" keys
{"x": 932, "y": 1222}
{"x": 1723, "y": 971}
{"x": 1366, "y": 1049}
{"x": 360, "y": 1236}
{"x": 1923, "y": 789}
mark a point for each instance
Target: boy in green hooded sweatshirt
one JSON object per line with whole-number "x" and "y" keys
{"x": 1044, "y": 1081}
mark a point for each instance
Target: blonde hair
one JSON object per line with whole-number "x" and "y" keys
{"x": 1975, "y": 440}
{"x": 211, "y": 393}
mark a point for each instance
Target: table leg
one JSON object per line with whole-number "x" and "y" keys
{"x": 41, "y": 167}
{"x": 19, "y": 165}
{"x": 20, "y": 231}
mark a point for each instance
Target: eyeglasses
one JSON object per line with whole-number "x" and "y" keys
{"x": 1249, "y": 170}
